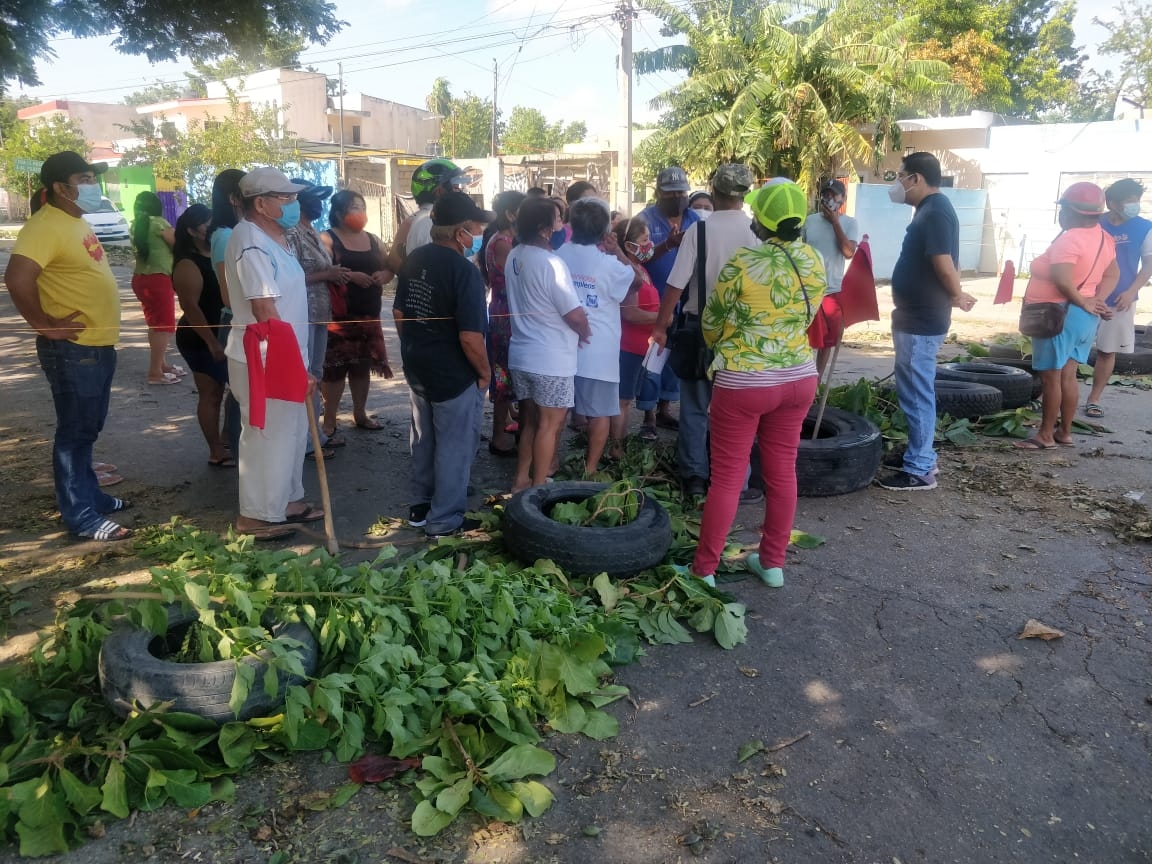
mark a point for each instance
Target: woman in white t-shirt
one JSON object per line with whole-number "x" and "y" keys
{"x": 548, "y": 326}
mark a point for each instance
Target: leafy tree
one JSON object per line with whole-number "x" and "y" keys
{"x": 155, "y": 93}
{"x": 1130, "y": 41}
{"x": 466, "y": 127}
{"x": 788, "y": 90}
{"x": 247, "y": 137}
{"x": 39, "y": 141}
{"x": 157, "y": 29}
{"x": 282, "y": 50}
{"x": 8, "y": 110}
{"x": 529, "y": 132}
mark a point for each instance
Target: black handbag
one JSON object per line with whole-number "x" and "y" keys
{"x": 1046, "y": 320}
{"x": 691, "y": 355}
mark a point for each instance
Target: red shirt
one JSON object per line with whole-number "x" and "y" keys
{"x": 634, "y": 337}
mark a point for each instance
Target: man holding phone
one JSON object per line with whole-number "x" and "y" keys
{"x": 835, "y": 237}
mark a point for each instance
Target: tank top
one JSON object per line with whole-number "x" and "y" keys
{"x": 210, "y": 303}
{"x": 362, "y": 302}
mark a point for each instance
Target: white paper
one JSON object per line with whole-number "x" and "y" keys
{"x": 655, "y": 359}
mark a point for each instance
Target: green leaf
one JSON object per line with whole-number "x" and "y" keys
{"x": 36, "y": 842}
{"x": 441, "y": 768}
{"x": 452, "y": 799}
{"x": 804, "y": 540}
{"x": 237, "y": 742}
{"x": 153, "y": 616}
{"x": 198, "y": 595}
{"x": 427, "y": 821}
{"x": 565, "y": 713}
{"x": 703, "y": 619}
{"x": 186, "y": 791}
{"x": 748, "y": 750}
{"x": 81, "y": 797}
{"x": 564, "y": 667}
{"x": 600, "y": 725}
{"x": 569, "y": 513}
{"x": 607, "y": 694}
{"x": 115, "y": 791}
{"x": 241, "y": 687}
{"x": 536, "y": 797}
{"x": 522, "y": 760}
{"x": 730, "y": 628}
{"x": 344, "y": 794}
{"x": 609, "y": 594}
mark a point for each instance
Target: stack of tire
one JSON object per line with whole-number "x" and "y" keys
{"x": 1139, "y": 362}
{"x": 968, "y": 390}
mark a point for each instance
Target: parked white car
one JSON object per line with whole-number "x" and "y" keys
{"x": 108, "y": 223}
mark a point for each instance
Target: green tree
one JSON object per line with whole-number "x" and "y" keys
{"x": 38, "y": 142}
{"x": 1130, "y": 41}
{"x": 788, "y": 91}
{"x": 528, "y": 131}
{"x": 247, "y": 137}
{"x": 159, "y": 92}
{"x": 466, "y": 127}
{"x": 280, "y": 51}
{"x": 157, "y": 29}
{"x": 8, "y": 110}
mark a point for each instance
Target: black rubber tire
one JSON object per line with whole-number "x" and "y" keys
{"x": 844, "y": 458}
{"x": 1139, "y": 362}
{"x": 999, "y": 352}
{"x": 530, "y": 533}
{"x": 134, "y": 675}
{"x": 1015, "y": 385}
{"x": 962, "y": 399}
{"x": 1026, "y": 366}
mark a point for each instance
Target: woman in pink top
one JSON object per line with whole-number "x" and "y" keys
{"x": 1078, "y": 269}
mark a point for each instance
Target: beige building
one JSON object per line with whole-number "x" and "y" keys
{"x": 102, "y": 124}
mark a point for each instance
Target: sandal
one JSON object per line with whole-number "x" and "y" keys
{"x": 107, "y": 532}
{"x": 667, "y": 421}
{"x": 103, "y": 467}
{"x": 327, "y": 451}
{"x": 369, "y": 425}
{"x": 1093, "y": 409}
{"x": 119, "y": 504}
{"x": 271, "y": 531}
{"x": 177, "y": 370}
{"x": 648, "y": 433}
{"x": 167, "y": 378}
{"x": 104, "y": 479}
{"x": 1033, "y": 444}
{"x": 308, "y": 514}
{"x": 226, "y": 462}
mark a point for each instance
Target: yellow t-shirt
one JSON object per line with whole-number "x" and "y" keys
{"x": 74, "y": 273}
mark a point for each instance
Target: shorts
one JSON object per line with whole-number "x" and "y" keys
{"x": 154, "y": 291}
{"x": 596, "y": 398}
{"x": 547, "y": 391}
{"x": 197, "y": 355}
{"x": 1118, "y": 336}
{"x": 631, "y": 367}
{"x": 1073, "y": 342}
{"x": 827, "y": 324}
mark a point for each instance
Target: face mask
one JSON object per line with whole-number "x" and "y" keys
{"x": 474, "y": 249}
{"x": 704, "y": 215}
{"x": 642, "y": 252}
{"x": 830, "y": 203}
{"x": 88, "y": 197}
{"x": 896, "y": 192}
{"x": 355, "y": 220}
{"x": 289, "y": 214}
{"x": 310, "y": 208}
{"x": 1132, "y": 210}
{"x": 671, "y": 207}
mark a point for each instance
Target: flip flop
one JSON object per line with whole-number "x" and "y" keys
{"x": 176, "y": 369}
{"x": 1064, "y": 443}
{"x": 1033, "y": 444}
{"x": 648, "y": 433}
{"x": 370, "y": 426}
{"x": 328, "y": 454}
{"x": 268, "y": 532}
{"x": 311, "y": 514}
{"x": 108, "y": 532}
{"x": 104, "y": 479}
{"x": 510, "y": 453}
{"x": 103, "y": 467}
{"x": 1093, "y": 409}
{"x": 334, "y": 440}
{"x": 226, "y": 462}
{"x": 168, "y": 378}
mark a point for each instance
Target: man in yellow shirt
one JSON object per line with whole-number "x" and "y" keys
{"x": 60, "y": 281}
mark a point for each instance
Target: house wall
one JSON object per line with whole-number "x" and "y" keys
{"x": 101, "y": 122}
{"x": 301, "y": 98}
{"x": 391, "y": 126}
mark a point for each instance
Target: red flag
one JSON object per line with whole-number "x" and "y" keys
{"x": 1007, "y": 281}
{"x": 858, "y": 290}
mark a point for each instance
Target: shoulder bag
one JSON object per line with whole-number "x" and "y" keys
{"x": 691, "y": 357}
{"x": 1046, "y": 320}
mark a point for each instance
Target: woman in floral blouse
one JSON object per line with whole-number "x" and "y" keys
{"x": 764, "y": 376}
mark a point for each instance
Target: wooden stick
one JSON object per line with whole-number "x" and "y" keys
{"x": 827, "y": 386}
{"x": 325, "y": 498}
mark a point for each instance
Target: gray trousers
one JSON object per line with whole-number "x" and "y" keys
{"x": 444, "y": 438}
{"x": 692, "y": 440}
{"x": 317, "y": 347}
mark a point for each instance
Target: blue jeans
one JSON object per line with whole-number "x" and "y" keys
{"x": 916, "y": 392}
{"x": 692, "y": 437}
{"x": 669, "y": 385}
{"x": 81, "y": 380}
{"x": 444, "y": 437}
{"x": 317, "y": 348}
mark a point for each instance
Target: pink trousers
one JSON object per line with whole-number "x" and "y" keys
{"x": 774, "y": 416}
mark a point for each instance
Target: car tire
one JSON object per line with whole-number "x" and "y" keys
{"x": 134, "y": 673}
{"x": 843, "y": 458}
{"x": 964, "y": 399}
{"x": 1139, "y": 362}
{"x": 1015, "y": 385}
{"x": 1000, "y": 352}
{"x": 530, "y": 533}
{"x": 1025, "y": 366}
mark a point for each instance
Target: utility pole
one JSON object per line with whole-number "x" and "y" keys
{"x": 343, "y": 176}
{"x": 624, "y": 15}
{"x": 495, "y": 80}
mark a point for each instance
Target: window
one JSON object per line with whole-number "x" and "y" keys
{"x": 355, "y": 134}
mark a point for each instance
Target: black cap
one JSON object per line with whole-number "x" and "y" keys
{"x": 318, "y": 192}
{"x": 453, "y": 208}
{"x": 672, "y": 179}
{"x": 58, "y": 167}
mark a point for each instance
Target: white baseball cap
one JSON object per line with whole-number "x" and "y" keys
{"x": 265, "y": 181}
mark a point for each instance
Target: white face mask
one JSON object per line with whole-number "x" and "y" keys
{"x": 703, "y": 215}
{"x": 896, "y": 192}
{"x": 1132, "y": 210}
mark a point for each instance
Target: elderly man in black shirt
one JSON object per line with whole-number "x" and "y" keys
{"x": 442, "y": 320}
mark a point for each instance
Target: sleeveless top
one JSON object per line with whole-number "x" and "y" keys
{"x": 210, "y": 303}
{"x": 362, "y": 302}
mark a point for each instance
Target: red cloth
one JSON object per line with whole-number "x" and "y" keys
{"x": 1007, "y": 281}
{"x": 281, "y": 376}
{"x": 858, "y": 290}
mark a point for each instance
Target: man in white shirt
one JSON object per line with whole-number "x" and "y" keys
{"x": 834, "y": 236}
{"x": 429, "y": 181}
{"x": 728, "y": 229}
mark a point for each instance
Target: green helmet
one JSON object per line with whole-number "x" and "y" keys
{"x": 432, "y": 174}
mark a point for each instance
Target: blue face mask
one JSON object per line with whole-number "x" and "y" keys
{"x": 89, "y": 197}
{"x": 1132, "y": 210}
{"x": 477, "y": 242}
{"x": 289, "y": 214}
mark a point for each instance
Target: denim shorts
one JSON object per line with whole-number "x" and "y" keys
{"x": 1072, "y": 343}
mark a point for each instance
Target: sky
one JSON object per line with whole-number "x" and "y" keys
{"x": 557, "y": 56}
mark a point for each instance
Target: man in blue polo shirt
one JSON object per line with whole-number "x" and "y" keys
{"x": 667, "y": 220}
{"x": 1133, "y": 236}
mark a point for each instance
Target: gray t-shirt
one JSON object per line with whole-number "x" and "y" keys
{"x": 819, "y": 234}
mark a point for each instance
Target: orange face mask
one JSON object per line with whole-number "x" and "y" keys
{"x": 355, "y": 220}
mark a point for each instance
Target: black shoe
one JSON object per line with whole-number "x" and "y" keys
{"x": 751, "y": 495}
{"x": 695, "y": 487}
{"x": 896, "y": 463}
{"x": 902, "y": 481}
{"x": 418, "y": 515}
{"x": 468, "y": 524}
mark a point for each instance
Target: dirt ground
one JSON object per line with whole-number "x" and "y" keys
{"x": 911, "y": 723}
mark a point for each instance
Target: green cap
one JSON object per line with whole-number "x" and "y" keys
{"x": 733, "y": 180}
{"x": 774, "y": 203}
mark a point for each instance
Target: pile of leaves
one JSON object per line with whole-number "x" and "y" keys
{"x": 617, "y": 505}
{"x": 458, "y": 656}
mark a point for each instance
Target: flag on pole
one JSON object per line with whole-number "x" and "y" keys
{"x": 1007, "y": 281}
{"x": 858, "y": 290}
